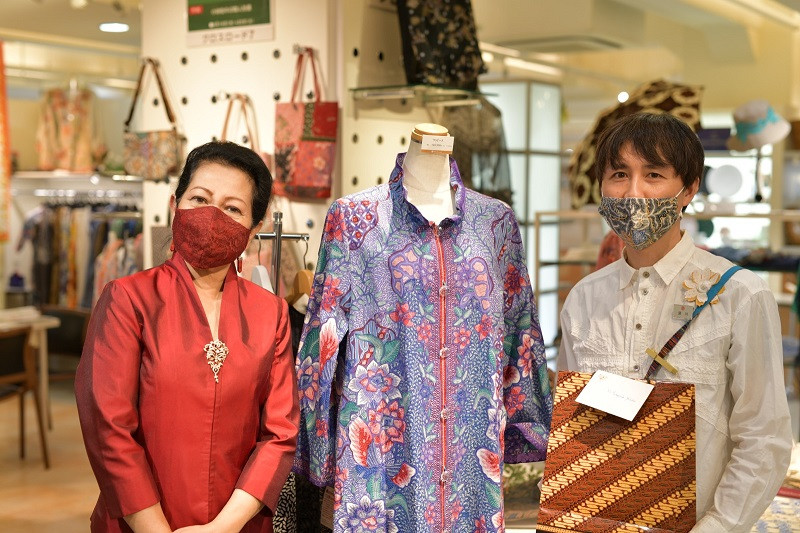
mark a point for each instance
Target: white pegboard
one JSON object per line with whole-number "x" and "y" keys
{"x": 381, "y": 128}
{"x": 197, "y": 79}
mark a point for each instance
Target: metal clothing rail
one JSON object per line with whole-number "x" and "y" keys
{"x": 277, "y": 236}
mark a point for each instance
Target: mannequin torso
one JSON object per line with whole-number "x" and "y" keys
{"x": 426, "y": 178}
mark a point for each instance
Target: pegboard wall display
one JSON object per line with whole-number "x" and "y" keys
{"x": 200, "y": 79}
{"x": 378, "y": 110}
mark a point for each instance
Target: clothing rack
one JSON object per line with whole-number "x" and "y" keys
{"x": 277, "y": 237}
{"x": 67, "y": 194}
{"x": 116, "y": 215}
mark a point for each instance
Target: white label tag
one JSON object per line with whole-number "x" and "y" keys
{"x": 437, "y": 144}
{"x": 682, "y": 312}
{"x": 616, "y": 395}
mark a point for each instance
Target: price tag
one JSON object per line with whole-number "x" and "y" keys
{"x": 437, "y": 144}
{"x": 616, "y": 395}
{"x": 326, "y": 514}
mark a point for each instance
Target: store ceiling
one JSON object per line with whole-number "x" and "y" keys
{"x": 595, "y": 49}
{"x": 51, "y": 21}
{"x": 592, "y": 48}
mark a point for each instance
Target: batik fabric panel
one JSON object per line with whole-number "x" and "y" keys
{"x": 605, "y": 474}
{"x": 440, "y": 44}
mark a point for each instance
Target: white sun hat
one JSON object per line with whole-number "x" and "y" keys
{"x": 757, "y": 124}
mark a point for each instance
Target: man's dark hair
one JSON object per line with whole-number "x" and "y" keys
{"x": 659, "y": 138}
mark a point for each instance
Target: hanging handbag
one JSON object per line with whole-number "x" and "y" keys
{"x": 153, "y": 155}
{"x": 305, "y": 138}
{"x": 248, "y": 113}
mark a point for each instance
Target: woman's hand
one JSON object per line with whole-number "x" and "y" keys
{"x": 241, "y": 507}
{"x": 206, "y": 528}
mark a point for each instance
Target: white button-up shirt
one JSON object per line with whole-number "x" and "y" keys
{"x": 732, "y": 353}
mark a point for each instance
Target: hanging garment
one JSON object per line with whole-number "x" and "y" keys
{"x": 81, "y": 218}
{"x": 440, "y": 45}
{"x": 7, "y": 162}
{"x": 98, "y": 231}
{"x": 65, "y": 137}
{"x": 480, "y": 149}
{"x": 38, "y": 229}
{"x": 61, "y": 233}
{"x": 106, "y": 267}
{"x": 444, "y": 376}
{"x": 156, "y": 425}
{"x": 285, "y": 517}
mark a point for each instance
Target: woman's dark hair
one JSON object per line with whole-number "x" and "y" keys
{"x": 236, "y": 156}
{"x": 660, "y": 139}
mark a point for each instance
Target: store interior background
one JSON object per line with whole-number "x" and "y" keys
{"x": 553, "y": 67}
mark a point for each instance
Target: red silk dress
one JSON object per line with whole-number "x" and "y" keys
{"x": 157, "y": 427}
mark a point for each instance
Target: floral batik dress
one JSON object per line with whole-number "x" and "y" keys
{"x": 442, "y": 377}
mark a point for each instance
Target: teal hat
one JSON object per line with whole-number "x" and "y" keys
{"x": 757, "y": 124}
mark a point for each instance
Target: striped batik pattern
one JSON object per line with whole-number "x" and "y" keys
{"x": 605, "y": 474}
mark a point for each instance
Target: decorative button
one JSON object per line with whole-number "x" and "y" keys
{"x": 645, "y": 291}
{"x": 446, "y": 477}
{"x": 444, "y": 414}
{"x": 638, "y": 326}
{"x": 442, "y": 289}
{"x": 636, "y": 368}
{"x": 646, "y": 274}
{"x": 443, "y": 352}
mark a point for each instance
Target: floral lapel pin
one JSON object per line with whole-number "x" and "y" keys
{"x": 698, "y": 285}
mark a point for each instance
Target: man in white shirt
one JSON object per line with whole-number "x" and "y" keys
{"x": 650, "y": 169}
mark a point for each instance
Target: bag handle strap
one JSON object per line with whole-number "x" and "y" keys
{"x": 153, "y": 63}
{"x": 232, "y": 100}
{"x": 246, "y": 109}
{"x": 299, "y": 74}
{"x": 710, "y": 295}
{"x": 250, "y": 121}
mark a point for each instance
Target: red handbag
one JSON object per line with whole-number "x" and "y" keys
{"x": 305, "y": 138}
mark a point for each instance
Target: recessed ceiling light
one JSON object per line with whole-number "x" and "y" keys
{"x": 622, "y": 97}
{"x": 114, "y": 27}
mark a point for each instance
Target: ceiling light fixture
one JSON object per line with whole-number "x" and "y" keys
{"x": 622, "y": 97}
{"x": 78, "y": 4}
{"x": 532, "y": 67}
{"x": 114, "y": 27}
{"x": 501, "y": 50}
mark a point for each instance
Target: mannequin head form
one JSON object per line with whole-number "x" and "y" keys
{"x": 427, "y": 175}
{"x": 427, "y": 128}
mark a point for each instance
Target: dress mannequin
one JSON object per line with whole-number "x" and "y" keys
{"x": 426, "y": 177}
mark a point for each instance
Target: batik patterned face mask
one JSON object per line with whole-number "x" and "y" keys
{"x": 640, "y": 222}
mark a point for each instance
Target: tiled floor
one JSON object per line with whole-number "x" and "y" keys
{"x": 35, "y": 500}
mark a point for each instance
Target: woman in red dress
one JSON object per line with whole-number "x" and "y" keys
{"x": 186, "y": 388}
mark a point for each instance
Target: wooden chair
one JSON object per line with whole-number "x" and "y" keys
{"x": 17, "y": 377}
{"x": 67, "y": 339}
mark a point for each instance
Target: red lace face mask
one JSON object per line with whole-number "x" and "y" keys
{"x": 207, "y": 238}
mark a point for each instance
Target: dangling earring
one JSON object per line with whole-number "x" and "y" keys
{"x": 172, "y": 246}
{"x": 239, "y": 265}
